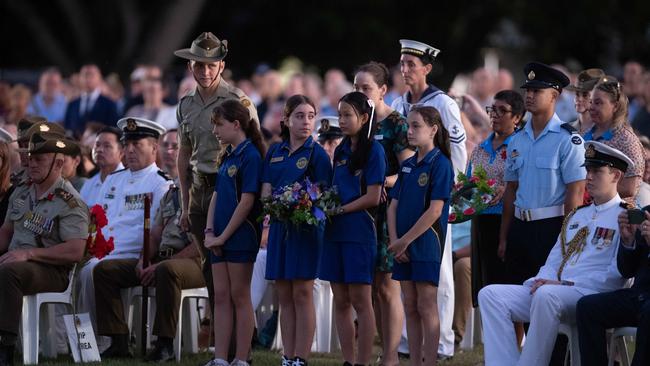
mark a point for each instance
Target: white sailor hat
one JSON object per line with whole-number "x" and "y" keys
{"x": 422, "y": 50}
{"x": 6, "y": 136}
{"x": 134, "y": 128}
{"x": 328, "y": 128}
{"x": 599, "y": 154}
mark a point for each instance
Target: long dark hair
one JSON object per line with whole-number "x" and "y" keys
{"x": 289, "y": 106}
{"x": 431, "y": 117}
{"x": 361, "y": 105}
{"x": 232, "y": 110}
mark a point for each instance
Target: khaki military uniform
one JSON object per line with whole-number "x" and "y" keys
{"x": 195, "y": 131}
{"x": 172, "y": 275}
{"x": 38, "y": 222}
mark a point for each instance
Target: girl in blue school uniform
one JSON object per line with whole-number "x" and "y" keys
{"x": 350, "y": 247}
{"x": 233, "y": 233}
{"x": 417, "y": 222}
{"x": 293, "y": 252}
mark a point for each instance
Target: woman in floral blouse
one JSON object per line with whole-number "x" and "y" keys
{"x": 505, "y": 115}
{"x": 608, "y": 112}
{"x": 372, "y": 80}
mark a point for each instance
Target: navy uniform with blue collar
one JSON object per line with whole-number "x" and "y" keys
{"x": 239, "y": 173}
{"x": 418, "y": 184}
{"x": 543, "y": 167}
{"x": 294, "y": 253}
{"x": 350, "y": 238}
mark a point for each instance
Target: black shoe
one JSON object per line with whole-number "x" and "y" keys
{"x": 403, "y": 355}
{"x": 162, "y": 353}
{"x": 7, "y": 355}
{"x": 119, "y": 347}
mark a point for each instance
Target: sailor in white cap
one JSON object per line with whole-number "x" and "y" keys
{"x": 6, "y": 136}
{"x": 582, "y": 262}
{"x": 329, "y": 133}
{"x": 416, "y": 63}
{"x": 122, "y": 197}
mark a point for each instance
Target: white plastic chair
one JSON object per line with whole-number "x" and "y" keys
{"x": 189, "y": 317}
{"x": 31, "y": 318}
{"x": 573, "y": 348}
{"x": 617, "y": 343}
{"x": 472, "y": 334}
{"x": 324, "y": 307}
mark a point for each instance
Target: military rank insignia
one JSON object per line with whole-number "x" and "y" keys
{"x": 603, "y": 237}
{"x": 136, "y": 201}
{"x": 67, "y": 197}
{"x": 37, "y": 223}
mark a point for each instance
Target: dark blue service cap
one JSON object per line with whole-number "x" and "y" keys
{"x": 542, "y": 76}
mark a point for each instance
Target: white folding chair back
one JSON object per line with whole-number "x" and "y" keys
{"x": 617, "y": 343}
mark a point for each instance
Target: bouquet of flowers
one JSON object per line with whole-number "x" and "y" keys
{"x": 300, "y": 203}
{"x": 96, "y": 245}
{"x": 471, "y": 195}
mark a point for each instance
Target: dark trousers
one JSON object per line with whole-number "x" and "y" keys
{"x": 621, "y": 308}
{"x": 528, "y": 246}
{"x": 172, "y": 276}
{"x": 487, "y": 267}
{"x": 20, "y": 279}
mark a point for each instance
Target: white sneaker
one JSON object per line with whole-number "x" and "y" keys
{"x": 217, "y": 362}
{"x": 238, "y": 362}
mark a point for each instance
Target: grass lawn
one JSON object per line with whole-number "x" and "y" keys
{"x": 263, "y": 358}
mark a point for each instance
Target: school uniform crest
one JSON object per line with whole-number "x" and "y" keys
{"x": 423, "y": 179}
{"x": 232, "y": 170}
{"x": 301, "y": 163}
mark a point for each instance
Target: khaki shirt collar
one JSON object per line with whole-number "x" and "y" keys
{"x": 50, "y": 191}
{"x": 223, "y": 90}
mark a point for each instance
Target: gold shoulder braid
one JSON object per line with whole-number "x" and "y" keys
{"x": 574, "y": 246}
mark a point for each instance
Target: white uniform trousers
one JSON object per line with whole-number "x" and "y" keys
{"x": 258, "y": 282}
{"x": 445, "y": 300}
{"x": 501, "y": 305}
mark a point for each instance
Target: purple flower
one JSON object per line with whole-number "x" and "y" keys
{"x": 313, "y": 191}
{"x": 318, "y": 213}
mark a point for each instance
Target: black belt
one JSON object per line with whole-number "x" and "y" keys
{"x": 207, "y": 179}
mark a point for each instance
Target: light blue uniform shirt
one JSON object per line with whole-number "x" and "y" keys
{"x": 544, "y": 166}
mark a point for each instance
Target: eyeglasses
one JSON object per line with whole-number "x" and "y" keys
{"x": 610, "y": 86}
{"x": 498, "y": 111}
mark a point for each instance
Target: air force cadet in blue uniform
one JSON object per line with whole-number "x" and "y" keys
{"x": 544, "y": 176}
{"x": 416, "y": 63}
{"x": 582, "y": 262}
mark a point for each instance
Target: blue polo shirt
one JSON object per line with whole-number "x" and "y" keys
{"x": 356, "y": 226}
{"x": 589, "y": 135}
{"x": 432, "y": 174}
{"x": 543, "y": 166}
{"x": 283, "y": 167}
{"x": 241, "y": 165}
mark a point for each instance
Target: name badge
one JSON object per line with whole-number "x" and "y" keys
{"x": 379, "y": 137}
{"x": 406, "y": 169}
{"x": 277, "y": 159}
{"x": 109, "y": 196}
{"x": 341, "y": 162}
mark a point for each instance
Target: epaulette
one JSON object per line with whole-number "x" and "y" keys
{"x": 572, "y": 130}
{"x": 67, "y": 197}
{"x": 583, "y": 206}
{"x": 626, "y": 205}
{"x": 576, "y": 139}
{"x": 117, "y": 171}
{"x": 164, "y": 175}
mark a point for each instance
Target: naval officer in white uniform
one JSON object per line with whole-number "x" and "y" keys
{"x": 122, "y": 196}
{"x": 582, "y": 262}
